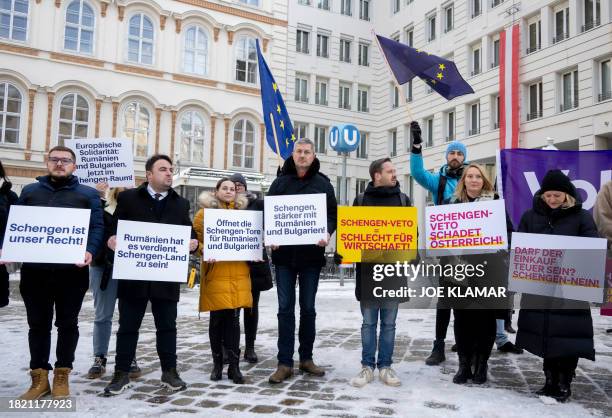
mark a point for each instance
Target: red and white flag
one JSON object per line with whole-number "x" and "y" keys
{"x": 509, "y": 116}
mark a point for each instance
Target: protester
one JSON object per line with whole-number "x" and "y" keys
{"x": 60, "y": 286}
{"x": 383, "y": 190}
{"x": 442, "y": 186}
{"x": 560, "y": 331}
{"x": 155, "y": 201}
{"x": 300, "y": 175}
{"x": 602, "y": 213}
{"x": 261, "y": 276}
{"x": 225, "y": 287}
{"x": 475, "y": 320}
{"x": 7, "y": 198}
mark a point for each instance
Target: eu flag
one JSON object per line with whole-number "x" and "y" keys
{"x": 439, "y": 73}
{"x": 274, "y": 111}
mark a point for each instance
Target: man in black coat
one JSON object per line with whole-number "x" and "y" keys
{"x": 300, "y": 175}
{"x": 156, "y": 202}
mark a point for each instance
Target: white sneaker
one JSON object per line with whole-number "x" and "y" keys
{"x": 388, "y": 377}
{"x": 365, "y": 376}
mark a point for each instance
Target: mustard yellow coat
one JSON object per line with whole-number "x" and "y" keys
{"x": 224, "y": 284}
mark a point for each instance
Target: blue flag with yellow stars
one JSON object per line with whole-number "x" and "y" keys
{"x": 274, "y": 109}
{"x": 439, "y": 73}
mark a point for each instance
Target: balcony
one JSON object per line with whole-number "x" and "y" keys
{"x": 363, "y": 109}
{"x": 567, "y": 106}
{"x": 366, "y": 18}
{"x": 560, "y": 37}
{"x": 474, "y": 72}
{"x": 475, "y": 131}
{"x": 496, "y": 3}
{"x": 607, "y": 95}
{"x": 476, "y": 14}
{"x": 534, "y": 115}
{"x": 301, "y": 99}
{"x": 532, "y": 49}
{"x": 591, "y": 24}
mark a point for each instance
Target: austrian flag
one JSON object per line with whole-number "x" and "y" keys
{"x": 509, "y": 116}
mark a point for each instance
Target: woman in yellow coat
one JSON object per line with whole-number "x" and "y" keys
{"x": 225, "y": 287}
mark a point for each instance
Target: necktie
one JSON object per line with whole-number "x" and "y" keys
{"x": 158, "y": 196}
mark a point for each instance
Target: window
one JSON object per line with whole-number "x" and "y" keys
{"x": 345, "y": 50}
{"x": 394, "y": 96}
{"x": 195, "y": 58}
{"x": 448, "y": 18}
{"x": 364, "y": 58}
{"x": 605, "y": 85}
{"x": 250, "y": 2}
{"x": 496, "y": 111}
{"x": 410, "y": 37}
{"x": 323, "y": 4}
{"x": 14, "y": 19}
{"x": 140, "y": 40}
{"x": 301, "y": 89}
{"x": 320, "y": 139}
{"x": 246, "y": 60}
{"x": 73, "y": 118}
{"x": 408, "y": 92}
{"x": 569, "y": 88}
{"x": 300, "y": 130}
{"x": 450, "y": 126}
{"x": 362, "y": 149}
{"x": 364, "y": 9}
{"x": 476, "y": 8}
{"x": 321, "y": 92}
{"x": 302, "y": 40}
{"x": 495, "y": 55}
{"x": 534, "y": 101}
{"x": 345, "y": 7}
{"x": 243, "y": 148}
{"x": 393, "y": 143}
{"x": 362, "y": 99}
{"x": 344, "y": 101}
{"x": 431, "y": 28}
{"x": 10, "y": 113}
{"x": 304, "y": 2}
{"x": 322, "y": 45}
{"x": 192, "y": 137}
{"x": 476, "y": 60}
{"x": 136, "y": 126}
{"x": 534, "y": 36}
{"x": 78, "y": 34}
{"x": 396, "y": 5}
{"x": 561, "y": 24}
{"x": 592, "y": 14}
{"x": 429, "y": 132}
{"x": 360, "y": 186}
{"x": 495, "y": 3}
{"x": 474, "y": 119}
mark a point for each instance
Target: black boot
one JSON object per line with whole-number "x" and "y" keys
{"x": 565, "y": 381}
{"x": 437, "y": 354}
{"x": 233, "y": 371}
{"x": 481, "y": 367}
{"x": 217, "y": 371}
{"x": 551, "y": 385}
{"x": 249, "y": 352}
{"x": 465, "y": 369}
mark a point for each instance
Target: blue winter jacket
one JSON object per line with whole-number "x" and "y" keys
{"x": 429, "y": 180}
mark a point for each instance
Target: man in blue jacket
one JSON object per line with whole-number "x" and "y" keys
{"x": 60, "y": 286}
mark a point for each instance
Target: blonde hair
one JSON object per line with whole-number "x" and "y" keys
{"x": 461, "y": 192}
{"x": 111, "y": 198}
{"x": 569, "y": 202}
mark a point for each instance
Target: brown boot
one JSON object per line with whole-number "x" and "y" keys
{"x": 60, "y": 383}
{"x": 40, "y": 385}
{"x": 281, "y": 374}
{"x": 309, "y": 367}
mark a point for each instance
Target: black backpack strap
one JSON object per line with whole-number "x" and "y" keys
{"x": 441, "y": 187}
{"x": 403, "y": 199}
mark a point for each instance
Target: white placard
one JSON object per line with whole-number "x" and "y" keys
{"x": 295, "y": 219}
{"x": 466, "y": 228}
{"x": 561, "y": 266}
{"x": 108, "y": 160}
{"x": 39, "y": 234}
{"x": 151, "y": 251}
{"x": 232, "y": 235}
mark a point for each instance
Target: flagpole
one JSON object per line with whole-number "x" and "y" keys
{"x": 397, "y": 85}
{"x": 280, "y": 160}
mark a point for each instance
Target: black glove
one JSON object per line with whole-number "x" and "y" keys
{"x": 337, "y": 259}
{"x": 415, "y": 129}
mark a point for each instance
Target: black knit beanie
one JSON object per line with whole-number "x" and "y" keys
{"x": 557, "y": 181}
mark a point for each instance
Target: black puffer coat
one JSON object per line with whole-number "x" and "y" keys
{"x": 288, "y": 183}
{"x": 554, "y": 332}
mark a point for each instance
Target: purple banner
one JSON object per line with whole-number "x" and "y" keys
{"x": 522, "y": 172}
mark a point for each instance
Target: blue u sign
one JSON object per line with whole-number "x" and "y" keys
{"x": 344, "y": 138}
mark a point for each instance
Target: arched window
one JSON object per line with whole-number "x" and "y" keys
{"x": 14, "y": 19}
{"x": 73, "y": 118}
{"x": 243, "y": 149}
{"x": 78, "y": 35}
{"x": 136, "y": 126}
{"x": 140, "y": 40}
{"x": 246, "y": 60}
{"x": 10, "y": 113}
{"x": 195, "y": 58}
{"x": 192, "y": 137}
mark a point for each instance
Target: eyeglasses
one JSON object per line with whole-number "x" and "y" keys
{"x": 64, "y": 161}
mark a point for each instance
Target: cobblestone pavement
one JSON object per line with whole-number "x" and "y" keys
{"x": 511, "y": 377}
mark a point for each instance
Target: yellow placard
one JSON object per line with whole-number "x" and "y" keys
{"x": 380, "y": 234}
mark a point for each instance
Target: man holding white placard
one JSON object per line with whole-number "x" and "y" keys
{"x": 300, "y": 176}
{"x": 45, "y": 286}
{"x": 154, "y": 202}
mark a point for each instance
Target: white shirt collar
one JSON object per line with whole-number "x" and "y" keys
{"x": 153, "y": 192}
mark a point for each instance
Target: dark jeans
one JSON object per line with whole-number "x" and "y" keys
{"x": 43, "y": 289}
{"x": 251, "y": 318}
{"x": 224, "y": 331}
{"x": 131, "y": 312}
{"x": 443, "y": 316}
{"x": 308, "y": 278}
{"x": 475, "y": 331}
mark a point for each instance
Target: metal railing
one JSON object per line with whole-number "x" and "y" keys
{"x": 534, "y": 115}
{"x": 560, "y": 37}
